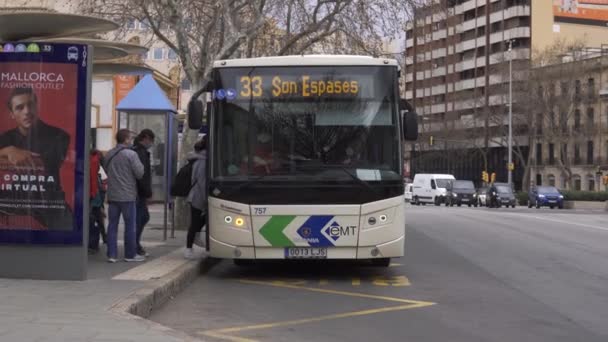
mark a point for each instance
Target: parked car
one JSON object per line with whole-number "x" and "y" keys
{"x": 430, "y": 188}
{"x": 547, "y": 196}
{"x": 408, "y": 192}
{"x": 501, "y": 194}
{"x": 461, "y": 192}
{"x": 482, "y": 195}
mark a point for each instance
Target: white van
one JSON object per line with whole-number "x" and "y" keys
{"x": 408, "y": 192}
{"x": 430, "y": 188}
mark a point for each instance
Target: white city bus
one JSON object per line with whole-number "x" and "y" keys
{"x": 305, "y": 158}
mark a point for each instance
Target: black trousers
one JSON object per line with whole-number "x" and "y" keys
{"x": 197, "y": 221}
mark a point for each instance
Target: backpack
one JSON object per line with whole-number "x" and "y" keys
{"x": 182, "y": 184}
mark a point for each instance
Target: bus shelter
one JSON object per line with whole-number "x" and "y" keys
{"x": 147, "y": 106}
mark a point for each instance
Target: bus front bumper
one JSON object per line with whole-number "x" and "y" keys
{"x": 389, "y": 249}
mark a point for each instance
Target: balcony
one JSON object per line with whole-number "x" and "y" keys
{"x": 512, "y": 12}
{"x": 516, "y": 32}
{"x": 471, "y": 64}
{"x": 439, "y": 34}
{"x": 438, "y": 71}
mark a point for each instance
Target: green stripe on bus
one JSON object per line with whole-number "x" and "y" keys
{"x": 272, "y": 231}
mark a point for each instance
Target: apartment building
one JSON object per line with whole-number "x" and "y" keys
{"x": 457, "y": 74}
{"x": 571, "y": 151}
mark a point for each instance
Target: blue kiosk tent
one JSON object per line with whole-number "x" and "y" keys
{"x": 147, "y": 106}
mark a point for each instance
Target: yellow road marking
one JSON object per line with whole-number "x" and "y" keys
{"x": 225, "y": 333}
{"x": 323, "y": 282}
{"x": 337, "y": 292}
{"x": 356, "y": 282}
{"x": 394, "y": 265}
{"x": 391, "y": 281}
{"x": 316, "y": 319}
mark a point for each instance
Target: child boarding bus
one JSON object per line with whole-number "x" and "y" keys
{"x": 305, "y": 158}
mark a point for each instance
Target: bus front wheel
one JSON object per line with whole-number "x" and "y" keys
{"x": 381, "y": 262}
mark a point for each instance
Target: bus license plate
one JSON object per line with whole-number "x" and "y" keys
{"x": 305, "y": 253}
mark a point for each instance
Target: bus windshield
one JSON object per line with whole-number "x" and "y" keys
{"x": 309, "y": 122}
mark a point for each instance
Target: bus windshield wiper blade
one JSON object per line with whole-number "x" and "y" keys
{"x": 359, "y": 181}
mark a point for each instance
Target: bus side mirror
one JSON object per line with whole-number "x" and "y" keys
{"x": 410, "y": 121}
{"x": 196, "y": 107}
{"x": 195, "y": 114}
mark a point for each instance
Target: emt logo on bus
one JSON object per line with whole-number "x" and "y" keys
{"x": 304, "y": 86}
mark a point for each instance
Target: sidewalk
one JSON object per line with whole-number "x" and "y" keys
{"x": 98, "y": 309}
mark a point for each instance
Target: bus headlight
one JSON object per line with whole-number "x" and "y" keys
{"x": 383, "y": 218}
{"x": 239, "y": 222}
{"x": 228, "y": 219}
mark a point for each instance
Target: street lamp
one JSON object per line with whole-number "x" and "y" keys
{"x": 510, "y": 143}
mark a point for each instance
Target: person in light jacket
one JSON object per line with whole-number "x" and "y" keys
{"x": 124, "y": 169}
{"x": 198, "y": 194}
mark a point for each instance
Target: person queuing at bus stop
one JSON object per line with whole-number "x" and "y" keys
{"x": 143, "y": 143}
{"x": 198, "y": 194}
{"x": 96, "y": 199}
{"x": 124, "y": 169}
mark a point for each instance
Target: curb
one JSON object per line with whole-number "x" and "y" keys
{"x": 152, "y": 296}
{"x": 140, "y": 304}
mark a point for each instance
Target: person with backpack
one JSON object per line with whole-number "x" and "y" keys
{"x": 124, "y": 169}
{"x": 143, "y": 142}
{"x": 95, "y": 201}
{"x": 197, "y": 195}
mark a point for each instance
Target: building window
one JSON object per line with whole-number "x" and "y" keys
{"x": 539, "y": 124}
{"x": 564, "y": 153}
{"x": 186, "y": 84}
{"x": 590, "y": 118}
{"x": 590, "y": 152}
{"x": 577, "y": 182}
{"x": 577, "y": 154}
{"x": 131, "y": 24}
{"x": 172, "y": 55}
{"x": 551, "y": 154}
{"x": 144, "y": 25}
{"x": 590, "y": 183}
{"x": 591, "y": 87}
{"x": 539, "y": 179}
{"x": 563, "y": 122}
{"x": 158, "y": 53}
{"x": 539, "y": 154}
{"x": 551, "y": 179}
{"x": 577, "y": 120}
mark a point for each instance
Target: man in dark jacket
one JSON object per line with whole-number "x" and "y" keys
{"x": 143, "y": 142}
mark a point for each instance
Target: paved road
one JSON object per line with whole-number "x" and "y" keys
{"x": 468, "y": 275}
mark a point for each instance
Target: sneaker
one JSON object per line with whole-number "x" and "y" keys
{"x": 112, "y": 260}
{"x": 141, "y": 251}
{"x": 137, "y": 258}
{"x": 189, "y": 253}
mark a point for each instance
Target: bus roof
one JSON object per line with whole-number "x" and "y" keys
{"x": 305, "y": 60}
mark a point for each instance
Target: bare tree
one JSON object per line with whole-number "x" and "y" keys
{"x": 203, "y": 31}
{"x": 554, "y": 94}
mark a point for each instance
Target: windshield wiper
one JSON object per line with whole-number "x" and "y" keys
{"x": 247, "y": 184}
{"x": 359, "y": 181}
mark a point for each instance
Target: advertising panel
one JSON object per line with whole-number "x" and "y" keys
{"x": 43, "y": 95}
{"x": 586, "y": 12}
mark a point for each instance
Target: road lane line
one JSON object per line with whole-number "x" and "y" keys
{"x": 313, "y": 319}
{"x": 337, "y": 292}
{"x": 557, "y": 221}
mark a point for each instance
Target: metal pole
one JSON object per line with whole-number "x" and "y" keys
{"x": 510, "y": 179}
